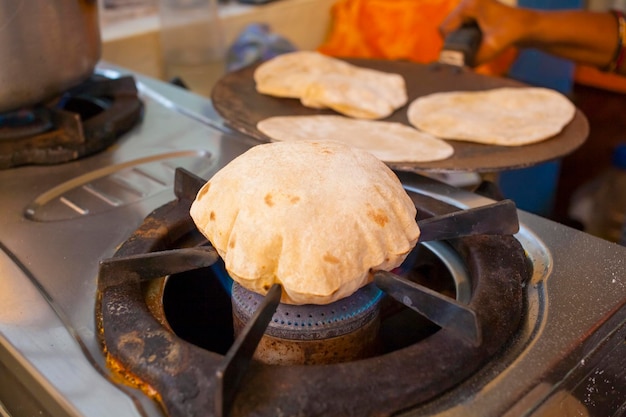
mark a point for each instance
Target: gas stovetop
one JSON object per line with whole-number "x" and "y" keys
{"x": 60, "y": 221}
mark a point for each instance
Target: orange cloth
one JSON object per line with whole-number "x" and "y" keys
{"x": 394, "y": 29}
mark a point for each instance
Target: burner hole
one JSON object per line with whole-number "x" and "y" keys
{"x": 86, "y": 106}
{"x": 422, "y": 266}
{"x": 197, "y": 306}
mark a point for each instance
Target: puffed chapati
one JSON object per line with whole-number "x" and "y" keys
{"x": 388, "y": 141}
{"x": 316, "y": 217}
{"x": 320, "y": 81}
{"x": 506, "y": 116}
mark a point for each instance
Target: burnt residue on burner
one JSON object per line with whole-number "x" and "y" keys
{"x": 140, "y": 345}
{"x": 80, "y": 122}
{"x": 185, "y": 374}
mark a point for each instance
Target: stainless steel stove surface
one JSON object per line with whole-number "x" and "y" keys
{"x": 58, "y": 222}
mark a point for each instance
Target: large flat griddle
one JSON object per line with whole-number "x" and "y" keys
{"x": 236, "y": 100}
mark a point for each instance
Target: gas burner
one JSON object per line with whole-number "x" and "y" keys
{"x": 188, "y": 379}
{"x": 338, "y": 332}
{"x": 82, "y": 121}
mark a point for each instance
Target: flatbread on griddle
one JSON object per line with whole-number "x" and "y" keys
{"x": 341, "y": 92}
{"x": 388, "y": 141}
{"x": 503, "y": 116}
{"x": 288, "y": 75}
{"x": 320, "y": 81}
{"x": 316, "y": 217}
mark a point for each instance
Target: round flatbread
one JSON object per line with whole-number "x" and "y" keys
{"x": 316, "y": 217}
{"x": 388, "y": 141}
{"x": 288, "y": 75}
{"x": 348, "y": 96}
{"x": 320, "y": 81}
{"x": 503, "y": 116}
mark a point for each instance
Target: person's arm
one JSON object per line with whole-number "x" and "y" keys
{"x": 585, "y": 37}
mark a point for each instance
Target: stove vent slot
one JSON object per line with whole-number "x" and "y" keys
{"x": 117, "y": 186}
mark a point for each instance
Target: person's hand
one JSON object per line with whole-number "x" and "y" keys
{"x": 502, "y": 26}
{"x": 583, "y": 36}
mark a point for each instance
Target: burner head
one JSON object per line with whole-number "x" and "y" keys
{"x": 24, "y": 123}
{"x": 313, "y": 334}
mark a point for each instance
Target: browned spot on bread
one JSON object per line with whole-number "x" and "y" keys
{"x": 379, "y": 217}
{"x": 212, "y": 216}
{"x": 204, "y": 190}
{"x": 232, "y": 242}
{"x": 323, "y": 149}
{"x": 330, "y": 259}
{"x": 268, "y": 200}
{"x": 294, "y": 199}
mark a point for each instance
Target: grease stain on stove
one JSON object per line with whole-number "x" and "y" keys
{"x": 133, "y": 344}
{"x": 117, "y": 186}
{"x": 121, "y": 374}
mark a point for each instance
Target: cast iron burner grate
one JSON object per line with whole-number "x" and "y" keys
{"x": 84, "y": 120}
{"x": 191, "y": 380}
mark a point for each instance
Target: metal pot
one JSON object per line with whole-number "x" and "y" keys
{"x": 46, "y": 47}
